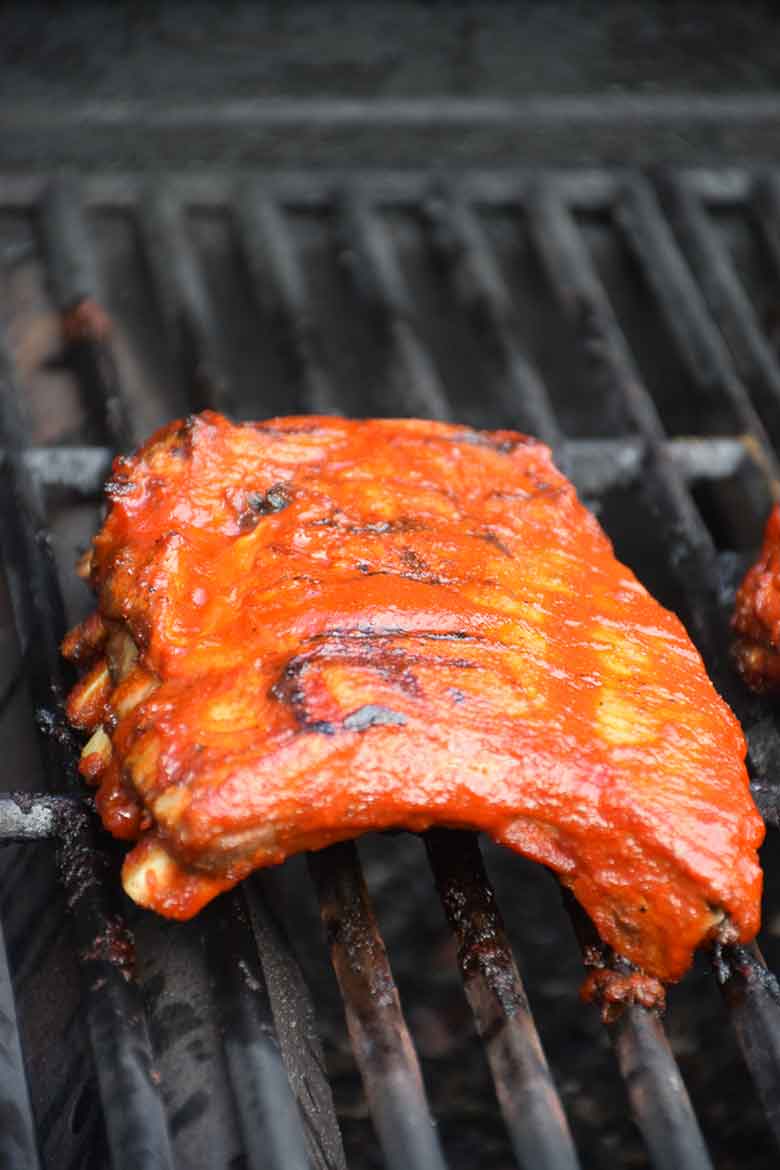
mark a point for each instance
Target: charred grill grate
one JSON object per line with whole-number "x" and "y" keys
{"x": 280, "y": 1101}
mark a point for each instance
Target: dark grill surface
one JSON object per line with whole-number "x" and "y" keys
{"x": 631, "y": 324}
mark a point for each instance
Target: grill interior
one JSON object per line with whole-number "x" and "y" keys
{"x": 633, "y": 325}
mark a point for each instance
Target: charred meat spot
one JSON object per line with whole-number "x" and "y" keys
{"x": 119, "y": 486}
{"x": 323, "y": 726}
{"x": 507, "y": 446}
{"x": 372, "y": 715}
{"x": 516, "y": 495}
{"x": 259, "y": 504}
{"x": 378, "y": 527}
{"x": 503, "y": 444}
{"x": 292, "y": 428}
{"x": 410, "y": 571}
{"x": 274, "y": 500}
{"x": 382, "y": 527}
{"x": 456, "y": 695}
{"x": 413, "y": 561}
{"x": 288, "y": 687}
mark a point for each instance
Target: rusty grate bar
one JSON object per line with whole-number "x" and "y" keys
{"x": 528, "y": 1098}
{"x": 132, "y": 1106}
{"x": 655, "y": 1088}
{"x": 664, "y": 1114}
{"x": 18, "y": 1143}
{"x": 683, "y": 306}
{"x": 380, "y": 1038}
{"x": 267, "y": 1112}
{"x": 480, "y": 286}
{"x": 659, "y": 1099}
{"x": 368, "y": 252}
{"x": 752, "y": 995}
{"x": 76, "y": 290}
{"x": 266, "y": 1109}
{"x": 183, "y": 300}
{"x": 583, "y": 296}
{"x": 279, "y": 286}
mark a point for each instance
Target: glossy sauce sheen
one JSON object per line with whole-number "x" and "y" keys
{"x": 756, "y": 620}
{"x": 352, "y": 626}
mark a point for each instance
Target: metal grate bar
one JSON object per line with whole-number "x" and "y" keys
{"x": 279, "y": 285}
{"x": 296, "y": 1026}
{"x": 698, "y": 559}
{"x": 684, "y": 306}
{"x": 659, "y": 1099}
{"x": 481, "y": 288}
{"x": 752, "y": 995}
{"x": 307, "y": 187}
{"x": 392, "y": 1075}
{"x": 528, "y": 1098}
{"x": 183, "y": 300}
{"x": 80, "y": 471}
{"x": 656, "y": 1092}
{"x": 380, "y": 1038}
{"x": 267, "y": 1112}
{"x": 765, "y": 205}
{"x": 268, "y": 1115}
{"x": 132, "y": 1106}
{"x": 541, "y": 1136}
{"x": 74, "y": 278}
{"x": 543, "y": 1131}
{"x": 18, "y": 1145}
{"x": 380, "y": 282}
{"x": 584, "y": 300}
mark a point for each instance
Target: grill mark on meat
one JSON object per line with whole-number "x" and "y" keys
{"x": 392, "y": 664}
{"x": 414, "y": 563}
{"x": 395, "y": 632}
{"x": 372, "y": 527}
{"x": 490, "y": 537}
{"x": 407, "y": 575}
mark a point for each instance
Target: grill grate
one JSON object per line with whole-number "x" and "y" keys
{"x": 727, "y": 357}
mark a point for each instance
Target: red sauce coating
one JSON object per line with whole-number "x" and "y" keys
{"x": 756, "y": 618}
{"x": 351, "y": 626}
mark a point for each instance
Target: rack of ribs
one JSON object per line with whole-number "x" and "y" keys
{"x": 312, "y": 628}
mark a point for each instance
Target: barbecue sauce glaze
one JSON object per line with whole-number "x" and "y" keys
{"x": 311, "y": 628}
